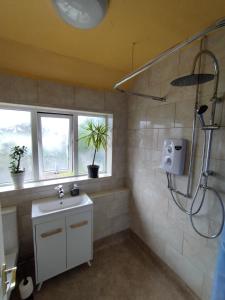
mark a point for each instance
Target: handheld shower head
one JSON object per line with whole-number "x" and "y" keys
{"x": 200, "y": 111}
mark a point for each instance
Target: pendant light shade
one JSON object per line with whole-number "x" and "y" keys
{"x": 82, "y": 14}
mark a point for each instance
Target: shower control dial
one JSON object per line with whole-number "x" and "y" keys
{"x": 169, "y": 149}
{"x": 168, "y": 161}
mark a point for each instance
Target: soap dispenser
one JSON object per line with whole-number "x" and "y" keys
{"x": 75, "y": 190}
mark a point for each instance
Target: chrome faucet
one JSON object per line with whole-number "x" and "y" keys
{"x": 60, "y": 191}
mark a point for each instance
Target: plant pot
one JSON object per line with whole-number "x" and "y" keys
{"x": 18, "y": 179}
{"x": 93, "y": 171}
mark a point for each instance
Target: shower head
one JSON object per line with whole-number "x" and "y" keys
{"x": 192, "y": 79}
{"x": 200, "y": 111}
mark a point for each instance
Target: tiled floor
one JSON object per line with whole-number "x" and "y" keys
{"x": 120, "y": 271}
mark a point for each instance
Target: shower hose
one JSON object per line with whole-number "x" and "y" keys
{"x": 201, "y": 185}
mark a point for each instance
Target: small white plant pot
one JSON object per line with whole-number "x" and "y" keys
{"x": 18, "y": 179}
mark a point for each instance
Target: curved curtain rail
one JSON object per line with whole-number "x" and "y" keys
{"x": 218, "y": 24}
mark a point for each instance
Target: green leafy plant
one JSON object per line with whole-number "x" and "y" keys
{"x": 95, "y": 137}
{"x": 16, "y": 154}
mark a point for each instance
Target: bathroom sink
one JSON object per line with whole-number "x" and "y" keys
{"x": 53, "y": 204}
{"x": 59, "y": 204}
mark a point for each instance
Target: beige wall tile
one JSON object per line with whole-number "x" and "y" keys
{"x": 161, "y": 116}
{"x": 218, "y": 149}
{"x": 168, "y": 67}
{"x": 141, "y": 83}
{"x": 173, "y": 133}
{"x": 143, "y": 138}
{"x": 51, "y": 93}
{"x": 89, "y": 99}
{"x": 115, "y": 101}
{"x": 155, "y": 74}
{"x": 137, "y": 119}
{"x": 186, "y": 57}
{"x": 188, "y": 272}
{"x": 120, "y": 120}
{"x": 110, "y": 212}
{"x": 18, "y": 89}
{"x": 197, "y": 252}
{"x": 184, "y": 113}
{"x": 172, "y": 94}
{"x": 216, "y": 44}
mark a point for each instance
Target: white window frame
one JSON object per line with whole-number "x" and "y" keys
{"x": 106, "y": 151}
{"x": 42, "y": 172}
{"x": 36, "y": 111}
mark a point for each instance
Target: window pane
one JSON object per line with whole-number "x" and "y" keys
{"x": 56, "y": 158}
{"x": 85, "y": 154}
{"x": 15, "y": 130}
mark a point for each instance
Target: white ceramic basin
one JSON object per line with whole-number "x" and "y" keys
{"x": 54, "y": 204}
{"x": 58, "y": 204}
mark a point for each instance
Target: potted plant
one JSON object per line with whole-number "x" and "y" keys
{"x": 17, "y": 173}
{"x": 95, "y": 137}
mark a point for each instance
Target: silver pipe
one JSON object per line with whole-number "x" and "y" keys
{"x": 193, "y": 147}
{"x": 216, "y": 69}
{"x": 218, "y": 24}
{"x": 208, "y": 152}
{"x": 193, "y": 137}
{"x": 215, "y": 235}
{"x": 163, "y": 99}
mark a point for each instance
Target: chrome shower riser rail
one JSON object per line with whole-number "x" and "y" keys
{"x": 218, "y": 24}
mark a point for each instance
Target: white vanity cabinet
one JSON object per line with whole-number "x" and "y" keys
{"x": 50, "y": 242}
{"x": 79, "y": 238}
{"x": 62, "y": 238}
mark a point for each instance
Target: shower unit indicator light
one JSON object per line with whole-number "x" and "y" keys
{"x": 173, "y": 157}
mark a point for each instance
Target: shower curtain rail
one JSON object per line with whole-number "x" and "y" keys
{"x": 218, "y": 24}
{"x": 130, "y": 93}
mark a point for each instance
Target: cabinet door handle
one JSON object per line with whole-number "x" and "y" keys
{"x": 51, "y": 232}
{"x": 80, "y": 224}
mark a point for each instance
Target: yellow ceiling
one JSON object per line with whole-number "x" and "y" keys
{"x": 34, "y": 41}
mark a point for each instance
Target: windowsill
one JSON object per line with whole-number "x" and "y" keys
{"x": 77, "y": 179}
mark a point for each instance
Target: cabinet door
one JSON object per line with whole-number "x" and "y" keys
{"x": 79, "y": 239}
{"x": 50, "y": 249}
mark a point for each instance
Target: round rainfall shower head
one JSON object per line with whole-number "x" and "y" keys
{"x": 202, "y": 109}
{"x": 192, "y": 79}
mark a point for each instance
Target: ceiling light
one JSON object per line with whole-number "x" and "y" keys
{"x": 82, "y": 13}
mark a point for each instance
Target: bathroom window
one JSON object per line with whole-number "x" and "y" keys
{"x": 55, "y": 145}
{"x": 15, "y": 129}
{"x": 52, "y": 137}
{"x": 85, "y": 155}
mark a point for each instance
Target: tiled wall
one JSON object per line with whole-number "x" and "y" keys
{"x": 27, "y": 91}
{"x": 111, "y": 212}
{"x": 154, "y": 217}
